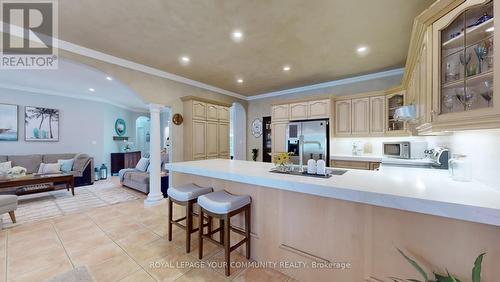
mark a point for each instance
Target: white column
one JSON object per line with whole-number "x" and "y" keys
{"x": 155, "y": 196}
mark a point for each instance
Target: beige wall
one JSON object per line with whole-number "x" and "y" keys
{"x": 262, "y": 107}
{"x": 157, "y": 90}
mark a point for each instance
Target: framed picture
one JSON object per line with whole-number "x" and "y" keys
{"x": 8, "y": 122}
{"x": 41, "y": 124}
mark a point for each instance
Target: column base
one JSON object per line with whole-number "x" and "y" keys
{"x": 154, "y": 200}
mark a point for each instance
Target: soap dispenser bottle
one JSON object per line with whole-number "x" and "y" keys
{"x": 311, "y": 165}
{"x": 321, "y": 165}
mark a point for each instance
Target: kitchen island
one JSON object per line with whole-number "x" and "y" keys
{"x": 358, "y": 219}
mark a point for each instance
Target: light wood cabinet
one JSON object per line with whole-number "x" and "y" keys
{"x": 377, "y": 115}
{"x": 360, "y": 116}
{"x": 199, "y": 110}
{"x": 299, "y": 111}
{"x": 223, "y": 139}
{"x": 278, "y": 133}
{"x": 212, "y": 112}
{"x": 199, "y": 139}
{"x": 206, "y": 129}
{"x": 355, "y": 164}
{"x": 318, "y": 109}
{"x": 223, "y": 113}
{"x": 212, "y": 138}
{"x": 343, "y": 118}
{"x": 280, "y": 113}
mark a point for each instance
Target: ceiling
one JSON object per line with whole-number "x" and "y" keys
{"x": 318, "y": 39}
{"x": 73, "y": 80}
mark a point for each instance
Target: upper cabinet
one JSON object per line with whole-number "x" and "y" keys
{"x": 280, "y": 113}
{"x": 343, "y": 118}
{"x": 394, "y": 101}
{"x": 360, "y": 116}
{"x": 299, "y": 111}
{"x": 316, "y": 109}
{"x": 453, "y": 79}
{"x": 223, "y": 113}
{"x": 199, "y": 110}
{"x": 212, "y": 112}
{"x": 377, "y": 115}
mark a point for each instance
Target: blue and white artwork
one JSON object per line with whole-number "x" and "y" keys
{"x": 41, "y": 124}
{"x": 8, "y": 122}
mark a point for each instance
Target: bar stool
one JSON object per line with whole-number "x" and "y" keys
{"x": 223, "y": 205}
{"x": 185, "y": 195}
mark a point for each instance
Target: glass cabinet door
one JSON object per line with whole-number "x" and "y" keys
{"x": 467, "y": 61}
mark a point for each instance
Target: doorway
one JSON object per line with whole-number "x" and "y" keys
{"x": 142, "y": 133}
{"x": 237, "y": 132}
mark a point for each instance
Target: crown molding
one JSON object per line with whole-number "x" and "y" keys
{"x": 332, "y": 83}
{"x": 74, "y": 96}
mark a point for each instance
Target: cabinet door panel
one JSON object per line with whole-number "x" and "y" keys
{"x": 343, "y": 117}
{"x": 377, "y": 115}
{"x": 212, "y": 112}
{"x": 199, "y": 110}
{"x": 223, "y": 132}
{"x": 298, "y": 111}
{"x": 223, "y": 113}
{"x": 212, "y": 139}
{"x": 319, "y": 109}
{"x": 199, "y": 135}
{"x": 278, "y": 131}
{"x": 360, "y": 116}
{"x": 280, "y": 113}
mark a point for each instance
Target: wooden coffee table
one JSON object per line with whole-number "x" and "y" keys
{"x": 32, "y": 179}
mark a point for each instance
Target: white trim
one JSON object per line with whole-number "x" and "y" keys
{"x": 332, "y": 83}
{"x": 80, "y": 97}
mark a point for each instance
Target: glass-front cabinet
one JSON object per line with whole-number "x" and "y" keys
{"x": 463, "y": 63}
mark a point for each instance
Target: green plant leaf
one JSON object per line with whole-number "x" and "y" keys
{"x": 416, "y": 266}
{"x": 440, "y": 278}
{"x": 476, "y": 270}
{"x": 450, "y": 277}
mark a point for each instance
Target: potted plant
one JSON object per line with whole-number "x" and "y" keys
{"x": 255, "y": 153}
{"x": 448, "y": 277}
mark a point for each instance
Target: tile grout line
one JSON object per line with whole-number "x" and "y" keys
{"x": 62, "y": 245}
{"x": 140, "y": 266}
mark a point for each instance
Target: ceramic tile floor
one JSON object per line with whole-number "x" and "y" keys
{"x": 123, "y": 242}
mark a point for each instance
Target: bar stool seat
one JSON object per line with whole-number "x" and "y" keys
{"x": 186, "y": 195}
{"x": 223, "y": 205}
{"x": 187, "y": 192}
{"x": 221, "y": 202}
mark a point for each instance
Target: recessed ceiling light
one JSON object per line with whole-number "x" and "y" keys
{"x": 237, "y": 35}
{"x": 239, "y": 80}
{"x": 362, "y": 49}
{"x": 185, "y": 60}
{"x": 91, "y": 89}
{"x": 286, "y": 68}
{"x": 490, "y": 29}
{"x": 109, "y": 78}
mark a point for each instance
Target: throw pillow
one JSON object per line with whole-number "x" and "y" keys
{"x": 143, "y": 164}
{"x": 5, "y": 167}
{"x": 49, "y": 168}
{"x": 66, "y": 165}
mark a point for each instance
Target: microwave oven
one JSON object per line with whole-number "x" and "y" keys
{"x": 405, "y": 149}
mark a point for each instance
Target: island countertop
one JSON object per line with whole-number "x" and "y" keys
{"x": 428, "y": 191}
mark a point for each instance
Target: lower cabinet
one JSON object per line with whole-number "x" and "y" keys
{"x": 355, "y": 164}
{"x": 223, "y": 138}
{"x": 211, "y": 139}
{"x": 199, "y": 141}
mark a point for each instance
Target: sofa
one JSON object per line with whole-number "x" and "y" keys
{"x": 82, "y": 170}
{"x": 138, "y": 179}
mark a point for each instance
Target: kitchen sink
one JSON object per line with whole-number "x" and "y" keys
{"x": 295, "y": 171}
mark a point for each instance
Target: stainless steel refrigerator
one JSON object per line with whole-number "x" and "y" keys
{"x": 315, "y": 145}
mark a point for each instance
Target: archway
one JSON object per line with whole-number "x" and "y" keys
{"x": 237, "y": 133}
{"x": 142, "y": 134}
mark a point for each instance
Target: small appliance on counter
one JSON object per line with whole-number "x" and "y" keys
{"x": 439, "y": 157}
{"x": 405, "y": 149}
{"x": 460, "y": 168}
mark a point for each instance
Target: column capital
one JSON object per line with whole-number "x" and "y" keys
{"x": 155, "y": 107}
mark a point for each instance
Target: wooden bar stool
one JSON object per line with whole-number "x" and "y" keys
{"x": 185, "y": 195}
{"x": 223, "y": 205}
